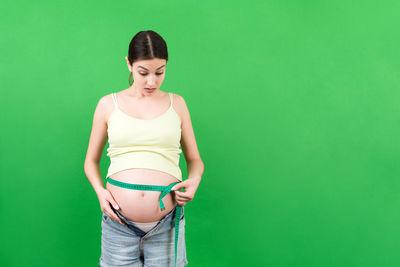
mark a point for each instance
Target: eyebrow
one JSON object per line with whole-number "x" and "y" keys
{"x": 147, "y": 69}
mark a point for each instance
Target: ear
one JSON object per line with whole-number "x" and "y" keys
{"x": 129, "y": 65}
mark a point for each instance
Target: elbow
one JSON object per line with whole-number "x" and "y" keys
{"x": 195, "y": 160}
{"x": 89, "y": 164}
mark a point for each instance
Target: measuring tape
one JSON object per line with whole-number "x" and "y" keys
{"x": 165, "y": 190}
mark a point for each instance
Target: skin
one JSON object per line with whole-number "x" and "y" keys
{"x": 135, "y": 101}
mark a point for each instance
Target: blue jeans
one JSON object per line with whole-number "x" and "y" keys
{"x": 129, "y": 246}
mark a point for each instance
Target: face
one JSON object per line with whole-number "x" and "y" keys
{"x": 147, "y": 74}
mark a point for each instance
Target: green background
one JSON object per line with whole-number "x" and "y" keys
{"x": 295, "y": 107}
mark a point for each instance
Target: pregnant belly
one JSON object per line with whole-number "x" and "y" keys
{"x": 142, "y": 205}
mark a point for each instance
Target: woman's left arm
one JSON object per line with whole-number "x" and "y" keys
{"x": 194, "y": 163}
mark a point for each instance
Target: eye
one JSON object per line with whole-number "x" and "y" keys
{"x": 144, "y": 74}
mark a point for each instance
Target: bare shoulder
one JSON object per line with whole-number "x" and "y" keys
{"x": 105, "y": 106}
{"x": 179, "y": 101}
{"x": 180, "y": 106}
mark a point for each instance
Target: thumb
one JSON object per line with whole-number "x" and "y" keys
{"x": 177, "y": 186}
{"x": 114, "y": 203}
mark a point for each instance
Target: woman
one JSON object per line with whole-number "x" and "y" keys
{"x": 145, "y": 128}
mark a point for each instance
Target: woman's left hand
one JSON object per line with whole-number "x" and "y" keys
{"x": 190, "y": 185}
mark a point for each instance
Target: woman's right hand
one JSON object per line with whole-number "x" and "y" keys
{"x": 106, "y": 200}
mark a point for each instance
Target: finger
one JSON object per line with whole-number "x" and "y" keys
{"x": 178, "y": 186}
{"x": 182, "y": 195}
{"x": 180, "y": 199}
{"x": 115, "y": 217}
{"x": 114, "y": 203}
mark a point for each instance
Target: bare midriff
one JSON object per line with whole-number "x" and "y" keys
{"x": 141, "y": 205}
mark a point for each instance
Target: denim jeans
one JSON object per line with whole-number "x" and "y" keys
{"x": 128, "y": 245}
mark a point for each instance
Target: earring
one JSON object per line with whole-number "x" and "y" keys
{"x": 130, "y": 78}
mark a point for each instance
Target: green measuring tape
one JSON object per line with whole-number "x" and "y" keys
{"x": 165, "y": 190}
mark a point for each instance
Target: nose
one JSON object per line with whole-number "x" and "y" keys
{"x": 151, "y": 82}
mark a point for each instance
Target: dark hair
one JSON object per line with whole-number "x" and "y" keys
{"x": 147, "y": 45}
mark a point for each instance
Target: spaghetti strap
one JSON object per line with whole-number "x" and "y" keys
{"x": 115, "y": 100}
{"x": 171, "y": 98}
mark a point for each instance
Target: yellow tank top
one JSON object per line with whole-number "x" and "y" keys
{"x": 152, "y": 144}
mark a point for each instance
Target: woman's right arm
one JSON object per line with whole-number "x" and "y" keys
{"x": 97, "y": 142}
